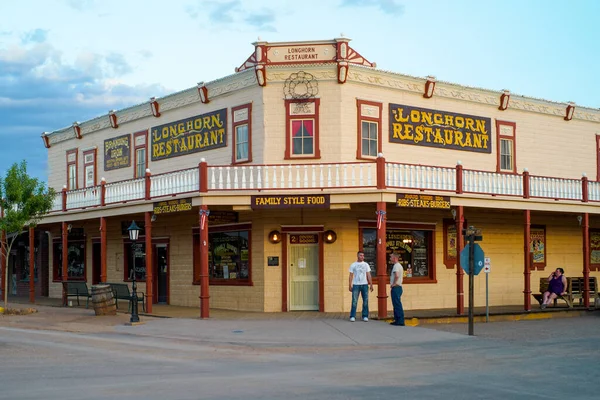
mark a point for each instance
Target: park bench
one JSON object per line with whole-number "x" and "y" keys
{"x": 568, "y": 297}
{"x": 578, "y": 286}
{"x": 76, "y": 289}
{"x": 121, "y": 292}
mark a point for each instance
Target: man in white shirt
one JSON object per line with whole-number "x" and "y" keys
{"x": 396, "y": 288}
{"x": 360, "y": 281}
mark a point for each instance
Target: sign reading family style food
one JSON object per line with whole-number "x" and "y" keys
{"x": 117, "y": 152}
{"x": 190, "y": 135}
{"x": 172, "y": 206}
{"x": 422, "y": 201}
{"x": 432, "y": 128}
{"x": 299, "y": 201}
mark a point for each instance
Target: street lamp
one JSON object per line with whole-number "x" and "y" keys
{"x": 134, "y": 233}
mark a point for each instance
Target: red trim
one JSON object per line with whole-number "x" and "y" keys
{"x": 288, "y": 132}
{"x": 69, "y": 152}
{"x": 459, "y": 179}
{"x": 85, "y": 165}
{"x": 527, "y": 259}
{"x": 359, "y": 120}
{"x": 113, "y": 120}
{"x": 135, "y": 149}
{"x": 46, "y": 140}
{"x": 152, "y": 287}
{"x": 381, "y": 257}
{"x": 321, "y": 274}
{"x": 592, "y": 267}
{"x": 597, "y": 157}
{"x": 248, "y": 122}
{"x": 585, "y": 227}
{"x": 155, "y": 107}
{"x": 149, "y": 260}
{"x": 284, "y": 272}
{"x": 103, "y": 252}
{"x": 460, "y": 245}
{"x": 514, "y": 144}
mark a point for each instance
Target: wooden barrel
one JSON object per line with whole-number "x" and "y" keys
{"x": 103, "y": 300}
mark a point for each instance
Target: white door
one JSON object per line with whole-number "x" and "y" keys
{"x": 304, "y": 275}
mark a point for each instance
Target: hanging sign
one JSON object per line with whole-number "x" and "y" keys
{"x": 190, "y": 135}
{"x": 433, "y": 128}
{"x": 172, "y": 206}
{"x": 406, "y": 200}
{"x": 299, "y": 201}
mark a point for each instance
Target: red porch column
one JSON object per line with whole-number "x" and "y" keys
{"x": 381, "y": 261}
{"x": 148, "y": 187}
{"x": 204, "y": 296}
{"x": 103, "y": 255}
{"x": 203, "y": 176}
{"x": 525, "y": 183}
{"x": 149, "y": 263}
{"x": 585, "y": 227}
{"x": 31, "y": 264}
{"x": 381, "y": 172}
{"x": 459, "y": 178}
{"x": 460, "y": 273}
{"x": 65, "y": 258}
{"x": 527, "y": 260}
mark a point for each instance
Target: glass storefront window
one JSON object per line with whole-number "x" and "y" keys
{"x": 76, "y": 260}
{"x": 135, "y": 256}
{"x": 228, "y": 255}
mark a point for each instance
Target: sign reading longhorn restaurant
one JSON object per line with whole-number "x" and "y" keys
{"x": 190, "y": 135}
{"x": 432, "y": 128}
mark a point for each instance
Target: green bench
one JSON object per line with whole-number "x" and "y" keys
{"x": 121, "y": 292}
{"x": 568, "y": 296}
{"x": 574, "y": 291}
{"x": 76, "y": 289}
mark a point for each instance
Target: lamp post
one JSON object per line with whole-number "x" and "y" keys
{"x": 134, "y": 232}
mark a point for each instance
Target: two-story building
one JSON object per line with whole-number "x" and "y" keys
{"x": 255, "y": 191}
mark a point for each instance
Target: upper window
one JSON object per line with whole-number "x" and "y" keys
{"x": 506, "y": 134}
{"x": 89, "y": 167}
{"x": 229, "y": 261}
{"x": 242, "y": 133}
{"x": 72, "y": 169}
{"x": 302, "y": 131}
{"x": 369, "y": 129}
{"x": 414, "y": 244}
{"x": 140, "y": 154}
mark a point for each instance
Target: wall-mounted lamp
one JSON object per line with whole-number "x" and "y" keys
{"x": 579, "y": 219}
{"x": 69, "y": 227}
{"x": 569, "y": 111}
{"x": 329, "y": 237}
{"x": 429, "y": 87}
{"x": 504, "y": 98}
{"x": 153, "y": 217}
{"x": 274, "y": 237}
{"x": 453, "y": 211}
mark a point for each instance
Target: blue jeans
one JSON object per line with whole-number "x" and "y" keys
{"x": 397, "y": 303}
{"x": 364, "y": 292}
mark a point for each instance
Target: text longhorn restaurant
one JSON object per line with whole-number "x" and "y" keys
{"x": 251, "y": 201}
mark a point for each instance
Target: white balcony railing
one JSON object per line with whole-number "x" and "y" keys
{"x": 81, "y": 198}
{"x": 187, "y": 180}
{"x": 420, "y": 177}
{"x": 492, "y": 183}
{"x": 594, "y": 191}
{"x": 133, "y": 189}
{"x": 555, "y": 188}
{"x": 292, "y": 176}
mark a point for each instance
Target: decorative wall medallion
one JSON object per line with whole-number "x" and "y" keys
{"x": 301, "y": 85}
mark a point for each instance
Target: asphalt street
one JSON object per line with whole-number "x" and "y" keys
{"x": 302, "y": 359}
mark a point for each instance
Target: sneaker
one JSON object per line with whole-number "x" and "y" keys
{"x": 352, "y": 319}
{"x": 543, "y": 306}
{"x": 366, "y": 319}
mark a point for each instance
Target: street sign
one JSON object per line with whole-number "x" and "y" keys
{"x": 478, "y": 262}
{"x": 487, "y": 265}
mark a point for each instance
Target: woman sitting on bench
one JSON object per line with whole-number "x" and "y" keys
{"x": 557, "y": 286}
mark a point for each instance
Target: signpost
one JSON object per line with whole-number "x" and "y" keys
{"x": 486, "y": 268}
{"x": 472, "y": 260}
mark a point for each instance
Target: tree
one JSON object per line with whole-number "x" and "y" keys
{"x": 25, "y": 200}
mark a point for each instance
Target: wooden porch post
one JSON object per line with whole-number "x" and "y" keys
{"x": 381, "y": 260}
{"x": 585, "y": 227}
{"x": 460, "y": 273}
{"x": 31, "y": 264}
{"x": 527, "y": 260}
{"x": 65, "y": 258}
{"x": 204, "y": 295}
{"x": 103, "y": 255}
{"x": 149, "y": 263}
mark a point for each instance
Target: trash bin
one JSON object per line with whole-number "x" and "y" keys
{"x": 103, "y": 300}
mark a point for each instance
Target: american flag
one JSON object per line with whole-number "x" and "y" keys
{"x": 203, "y": 215}
{"x": 380, "y": 217}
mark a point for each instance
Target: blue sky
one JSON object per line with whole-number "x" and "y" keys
{"x": 71, "y": 60}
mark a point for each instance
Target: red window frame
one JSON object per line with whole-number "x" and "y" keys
{"x": 414, "y": 226}
{"x": 71, "y": 159}
{"x": 86, "y": 153}
{"x": 499, "y": 137}
{"x": 137, "y": 135}
{"x": 289, "y": 117}
{"x": 240, "y": 122}
{"x": 367, "y": 118}
{"x": 196, "y": 254}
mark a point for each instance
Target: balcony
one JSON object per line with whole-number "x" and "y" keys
{"x": 377, "y": 175}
